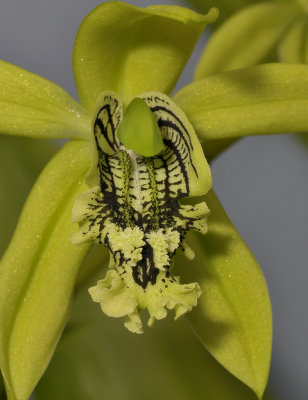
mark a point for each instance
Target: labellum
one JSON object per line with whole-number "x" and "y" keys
{"x": 143, "y": 163}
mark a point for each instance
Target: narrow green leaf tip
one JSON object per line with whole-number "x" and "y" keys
{"x": 139, "y": 131}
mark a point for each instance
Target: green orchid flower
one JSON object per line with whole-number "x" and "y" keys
{"x": 277, "y": 31}
{"x": 129, "y": 193}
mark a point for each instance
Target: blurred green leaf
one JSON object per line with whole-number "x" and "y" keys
{"x": 38, "y": 272}
{"x": 304, "y": 138}
{"x": 95, "y": 259}
{"x": 98, "y": 359}
{"x": 35, "y": 107}
{"x": 294, "y": 50}
{"x": 131, "y": 50}
{"x": 233, "y": 318}
{"x": 264, "y": 99}
{"x": 294, "y": 46}
{"x": 251, "y": 34}
{"x": 2, "y": 390}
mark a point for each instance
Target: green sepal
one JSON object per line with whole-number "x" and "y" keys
{"x": 226, "y": 8}
{"x": 38, "y": 272}
{"x": 264, "y": 24}
{"x": 139, "y": 131}
{"x": 264, "y": 99}
{"x": 130, "y": 50}
{"x": 35, "y": 107}
{"x": 233, "y": 318}
{"x": 294, "y": 46}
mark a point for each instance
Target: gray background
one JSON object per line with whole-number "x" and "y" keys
{"x": 261, "y": 181}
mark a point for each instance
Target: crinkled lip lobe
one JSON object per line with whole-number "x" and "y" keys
{"x": 132, "y": 207}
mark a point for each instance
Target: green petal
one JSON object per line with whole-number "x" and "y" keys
{"x": 21, "y": 160}
{"x": 264, "y": 99}
{"x": 38, "y": 272}
{"x": 98, "y": 359}
{"x": 233, "y": 319}
{"x": 263, "y": 24}
{"x": 130, "y": 50}
{"x": 33, "y": 106}
{"x": 294, "y": 46}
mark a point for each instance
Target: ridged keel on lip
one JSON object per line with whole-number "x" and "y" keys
{"x": 132, "y": 207}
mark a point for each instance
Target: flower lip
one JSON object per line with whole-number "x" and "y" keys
{"x": 132, "y": 207}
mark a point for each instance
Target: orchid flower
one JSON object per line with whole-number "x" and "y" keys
{"x": 130, "y": 192}
{"x": 277, "y": 30}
